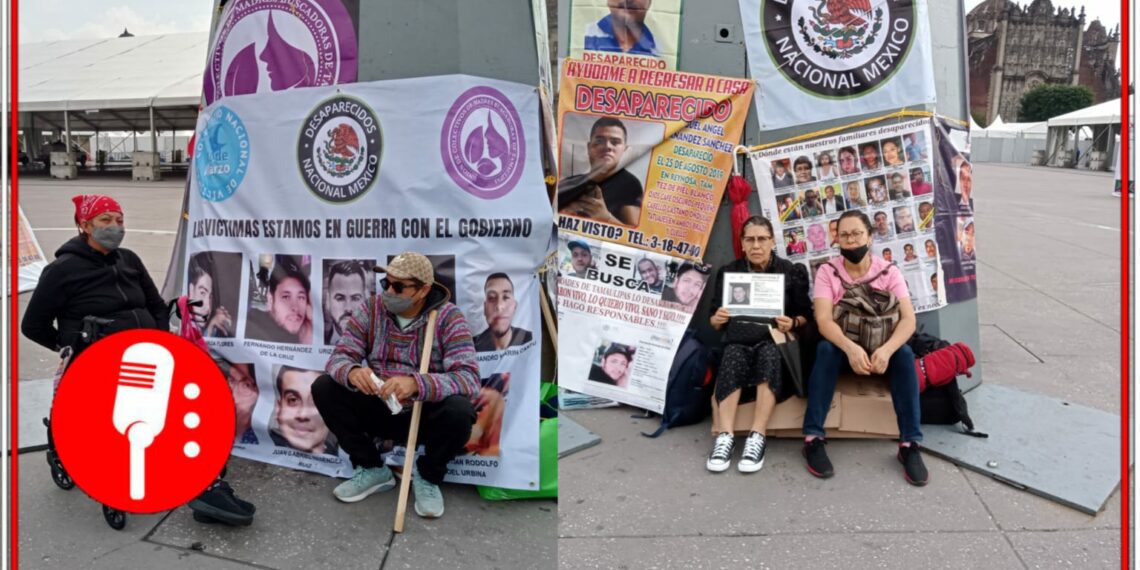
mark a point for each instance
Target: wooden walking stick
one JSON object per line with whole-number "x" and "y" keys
{"x": 413, "y": 431}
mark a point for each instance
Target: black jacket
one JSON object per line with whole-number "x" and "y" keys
{"x": 81, "y": 282}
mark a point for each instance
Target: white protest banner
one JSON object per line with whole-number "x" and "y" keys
{"x": 628, "y": 310}
{"x": 30, "y": 256}
{"x": 817, "y": 60}
{"x": 885, "y": 172}
{"x": 309, "y": 189}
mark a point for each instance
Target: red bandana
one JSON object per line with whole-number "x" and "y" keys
{"x": 88, "y": 206}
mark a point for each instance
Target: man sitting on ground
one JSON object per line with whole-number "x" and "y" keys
{"x": 388, "y": 335}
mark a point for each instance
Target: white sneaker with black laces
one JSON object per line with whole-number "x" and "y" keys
{"x": 721, "y": 457}
{"x": 753, "y": 457}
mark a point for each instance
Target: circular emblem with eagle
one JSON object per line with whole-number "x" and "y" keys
{"x": 339, "y": 149}
{"x": 838, "y": 48}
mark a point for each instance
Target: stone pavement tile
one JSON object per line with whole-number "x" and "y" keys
{"x": 1092, "y": 381}
{"x": 903, "y": 550}
{"x": 1099, "y": 301}
{"x": 991, "y": 277}
{"x": 298, "y": 523}
{"x": 148, "y": 555}
{"x": 632, "y": 486}
{"x": 1045, "y": 326}
{"x": 1064, "y": 265}
{"x": 474, "y": 533}
{"x": 35, "y": 405}
{"x": 997, "y": 346}
{"x": 1084, "y": 549}
{"x": 65, "y": 529}
{"x": 1016, "y": 510}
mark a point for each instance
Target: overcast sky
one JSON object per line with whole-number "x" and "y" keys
{"x": 44, "y": 20}
{"x": 47, "y": 20}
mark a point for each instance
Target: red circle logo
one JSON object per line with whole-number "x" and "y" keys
{"x": 143, "y": 421}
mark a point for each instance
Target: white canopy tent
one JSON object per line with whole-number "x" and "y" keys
{"x": 1100, "y": 124}
{"x": 137, "y": 84}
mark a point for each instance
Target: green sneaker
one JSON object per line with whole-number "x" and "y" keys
{"x": 429, "y": 498}
{"x": 365, "y": 481}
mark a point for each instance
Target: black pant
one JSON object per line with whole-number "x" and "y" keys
{"x": 355, "y": 418}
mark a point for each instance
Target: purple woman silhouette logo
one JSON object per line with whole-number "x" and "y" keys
{"x": 300, "y": 43}
{"x": 482, "y": 143}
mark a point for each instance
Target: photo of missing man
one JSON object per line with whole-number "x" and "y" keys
{"x": 578, "y": 259}
{"x": 915, "y": 146}
{"x": 919, "y": 181}
{"x": 893, "y": 154}
{"x": 795, "y": 243}
{"x": 966, "y": 238}
{"x": 854, "y": 195}
{"x": 242, "y": 378}
{"x": 604, "y": 163}
{"x": 622, "y": 30}
{"x": 925, "y": 216}
{"x": 887, "y": 254}
{"x": 214, "y": 279}
{"x": 650, "y": 272}
{"x": 788, "y": 207}
{"x": 741, "y": 294}
{"x": 280, "y": 309}
{"x": 686, "y": 283}
{"x": 904, "y": 220}
{"x": 930, "y": 249}
{"x": 909, "y": 255}
{"x": 877, "y": 193}
{"x": 348, "y": 285}
{"x": 881, "y": 227}
{"x": 810, "y": 204}
{"x": 900, "y": 186}
{"x": 817, "y": 237}
{"x": 490, "y": 405}
{"x": 296, "y": 422}
{"x": 782, "y": 174}
{"x": 612, "y": 364}
{"x": 964, "y": 189}
{"x": 499, "y": 306}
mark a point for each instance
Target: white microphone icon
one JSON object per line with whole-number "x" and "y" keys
{"x": 141, "y": 400}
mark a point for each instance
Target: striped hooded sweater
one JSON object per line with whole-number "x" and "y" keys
{"x": 373, "y": 335}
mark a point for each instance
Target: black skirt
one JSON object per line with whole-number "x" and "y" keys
{"x": 746, "y": 367}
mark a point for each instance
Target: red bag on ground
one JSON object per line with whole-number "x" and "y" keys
{"x": 943, "y": 365}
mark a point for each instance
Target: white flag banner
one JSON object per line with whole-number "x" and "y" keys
{"x": 817, "y": 60}
{"x": 296, "y": 196}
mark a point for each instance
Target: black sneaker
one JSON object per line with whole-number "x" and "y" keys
{"x": 913, "y": 468}
{"x": 721, "y": 457}
{"x": 817, "y": 462}
{"x": 218, "y": 504}
{"x": 752, "y": 460}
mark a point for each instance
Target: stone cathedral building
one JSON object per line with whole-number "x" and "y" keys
{"x": 1014, "y": 48}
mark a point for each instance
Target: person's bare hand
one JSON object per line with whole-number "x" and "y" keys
{"x": 220, "y": 323}
{"x": 361, "y": 378}
{"x": 720, "y": 317}
{"x": 857, "y": 357}
{"x": 784, "y": 323}
{"x": 404, "y": 387}
{"x": 880, "y": 359}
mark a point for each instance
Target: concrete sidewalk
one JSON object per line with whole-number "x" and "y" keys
{"x": 1049, "y": 293}
{"x": 298, "y": 523}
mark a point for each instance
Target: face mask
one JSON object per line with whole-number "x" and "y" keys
{"x": 854, "y": 255}
{"x": 396, "y": 303}
{"x": 108, "y": 236}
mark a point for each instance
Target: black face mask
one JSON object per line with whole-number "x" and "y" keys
{"x": 854, "y": 255}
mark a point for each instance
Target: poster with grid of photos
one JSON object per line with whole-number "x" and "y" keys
{"x": 885, "y": 172}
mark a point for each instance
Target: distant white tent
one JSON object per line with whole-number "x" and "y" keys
{"x": 1107, "y": 113}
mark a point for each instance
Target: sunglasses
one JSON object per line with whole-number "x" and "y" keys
{"x": 398, "y": 286}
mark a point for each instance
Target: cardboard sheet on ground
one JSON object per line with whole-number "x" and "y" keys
{"x": 1076, "y": 465}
